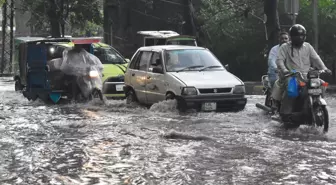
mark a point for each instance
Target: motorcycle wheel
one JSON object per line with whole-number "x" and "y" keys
{"x": 97, "y": 94}
{"x": 322, "y": 117}
{"x": 18, "y": 85}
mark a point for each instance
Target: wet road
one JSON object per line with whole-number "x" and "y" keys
{"x": 116, "y": 144}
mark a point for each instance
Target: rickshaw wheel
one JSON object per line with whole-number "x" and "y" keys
{"x": 18, "y": 86}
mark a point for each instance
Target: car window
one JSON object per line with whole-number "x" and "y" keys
{"x": 135, "y": 60}
{"x": 108, "y": 56}
{"x": 154, "y": 59}
{"x": 185, "y": 58}
{"x": 144, "y": 60}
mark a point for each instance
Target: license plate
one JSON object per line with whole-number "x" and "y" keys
{"x": 209, "y": 106}
{"x": 314, "y": 91}
{"x": 119, "y": 88}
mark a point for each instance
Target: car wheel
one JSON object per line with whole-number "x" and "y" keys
{"x": 170, "y": 96}
{"x": 181, "y": 105}
{"x": 131, "y": 97}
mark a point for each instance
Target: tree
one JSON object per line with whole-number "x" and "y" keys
{"x": 272, "y": 23}
{"x": 53, "y": 15}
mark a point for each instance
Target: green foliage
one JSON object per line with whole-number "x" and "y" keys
{"x": 75, "y": 13}
{"x": 241, "y": 42}
{"x": 235, "y": 40}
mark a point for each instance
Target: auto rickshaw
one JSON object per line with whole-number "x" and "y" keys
{"x": 34, "y": 77}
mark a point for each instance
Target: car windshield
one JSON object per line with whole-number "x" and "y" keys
{"x": 191, "y": 59}
{"x": 109, "y": 56}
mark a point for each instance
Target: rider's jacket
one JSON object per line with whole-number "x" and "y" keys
{"x": 272, "y": 57}
{"x": 300, "y": 59}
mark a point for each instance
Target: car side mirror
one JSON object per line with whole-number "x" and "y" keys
{"x": 157, "y": 70}
{"x": 227, "y": 67}
{"x": 128, "y": 60}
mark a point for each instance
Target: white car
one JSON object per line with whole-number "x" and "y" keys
{"x": 191, "y": 75}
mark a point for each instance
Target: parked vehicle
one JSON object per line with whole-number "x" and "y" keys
{"x": 114, "y": 66}
{"x": 152, "y": 38}
{"x": 191, "y": 75}
{"x": 310, "y": 108}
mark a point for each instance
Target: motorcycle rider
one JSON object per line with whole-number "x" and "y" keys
{"x": 75, "y": 64}
{"x": 295, "y": 55}
{"x": 272, "y": 57}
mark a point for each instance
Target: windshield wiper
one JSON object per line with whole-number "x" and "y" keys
{"x": 190, "y": 67}
{"x": 209, "y": 67}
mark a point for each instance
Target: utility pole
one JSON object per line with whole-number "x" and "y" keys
{"x": 294, "y": 14}
{"x": 292, "y": 9}
{"x": 315, "y": 24}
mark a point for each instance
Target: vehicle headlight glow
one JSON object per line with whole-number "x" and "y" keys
{"x": 239, "y": 89}
{"x": 93, "y": 74}
{"x": 189, "y": 91}
{"x": 52, "y": 50}
{"x": 315, "y": 83}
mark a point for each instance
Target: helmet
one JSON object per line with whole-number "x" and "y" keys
{"x": 298, "y": 34}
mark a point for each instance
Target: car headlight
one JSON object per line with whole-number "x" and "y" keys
{"x": 189, "y": 91}
{"x": 93, "y": 74}
{"x": 239, "y": 89}
{"x": 315, "y": 83}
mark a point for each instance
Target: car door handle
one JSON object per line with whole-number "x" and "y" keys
{"x": 133, "y": 74}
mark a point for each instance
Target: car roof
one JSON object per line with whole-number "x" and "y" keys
{"x": 169, "y": 47}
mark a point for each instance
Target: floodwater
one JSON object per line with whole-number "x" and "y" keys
{"x": 119, "y": 144}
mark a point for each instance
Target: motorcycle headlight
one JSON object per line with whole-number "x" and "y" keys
{"x": 315, "y": 83}
{"x": 239, "y": 89}
{"x": 93, "y": 74}
{"x": 189, "y": 91}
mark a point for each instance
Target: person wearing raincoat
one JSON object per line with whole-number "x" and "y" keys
{"x": 76, "y": 62}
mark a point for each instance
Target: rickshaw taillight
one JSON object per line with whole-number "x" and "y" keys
{"x": 325, "y": 84}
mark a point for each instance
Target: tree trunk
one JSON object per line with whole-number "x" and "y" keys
{"x": 54, "y": 18}
{"x": 272, "y": 23}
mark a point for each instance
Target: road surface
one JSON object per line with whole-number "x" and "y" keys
{"x": 118, "y": 144}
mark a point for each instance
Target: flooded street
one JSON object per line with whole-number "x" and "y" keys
{"x": 119, "y": 144}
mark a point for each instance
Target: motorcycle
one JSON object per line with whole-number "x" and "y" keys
{"x": 310, "y": 108}
{"x": 88, "y": 86}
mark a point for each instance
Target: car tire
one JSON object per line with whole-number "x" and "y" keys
{"x": 181, "y": 105}
{"x": 239, "y": 109}
{"x": 131, "y": 97}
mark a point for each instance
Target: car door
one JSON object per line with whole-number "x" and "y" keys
{"x": 156, "y": 89}
{"x": 138, "y": 75}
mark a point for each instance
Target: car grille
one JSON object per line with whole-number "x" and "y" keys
{"x": 115, "y": 79}
{"x": 111, "y": 88}
{"x": 214, "y": 90}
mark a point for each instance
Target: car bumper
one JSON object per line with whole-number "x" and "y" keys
{"x": 224, "y": 102}
{"x": 114, "y": 89}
